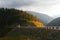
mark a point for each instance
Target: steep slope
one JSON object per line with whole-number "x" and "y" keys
{"x": 55, "y": 22}
{"x": 29, "y": 18}
{"x": 42, "y": 17}
{"x": 11, "y": 17}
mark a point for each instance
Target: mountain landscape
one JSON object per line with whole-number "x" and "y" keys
{"x": 12, "y": 17}
{"x": 42, "y": 17}
{"x": 32, "y": 25}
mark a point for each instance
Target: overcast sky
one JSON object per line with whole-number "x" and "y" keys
{"x": 48, "y": 7}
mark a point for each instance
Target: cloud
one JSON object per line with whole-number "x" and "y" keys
{"x": 22, "y": 3}
{"x": 15, "y": 3}
{"x": 49, "y": 7}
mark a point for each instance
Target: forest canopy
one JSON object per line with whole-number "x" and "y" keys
{"x": 12, "y": 16}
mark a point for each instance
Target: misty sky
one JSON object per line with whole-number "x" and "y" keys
{"x": 49, "y": 7}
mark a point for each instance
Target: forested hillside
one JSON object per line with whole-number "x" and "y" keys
{"x": 9, "y": 18}
{"x": 13, "y": 16}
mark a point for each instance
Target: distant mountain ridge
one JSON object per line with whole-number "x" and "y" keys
{"x": 55, "y": 22}
{"x": 45, "y": 19}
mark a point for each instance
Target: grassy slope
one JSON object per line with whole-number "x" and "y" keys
{"x": 34, "y": 34}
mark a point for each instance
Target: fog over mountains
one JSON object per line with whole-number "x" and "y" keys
{"x": 45, "y": 19}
